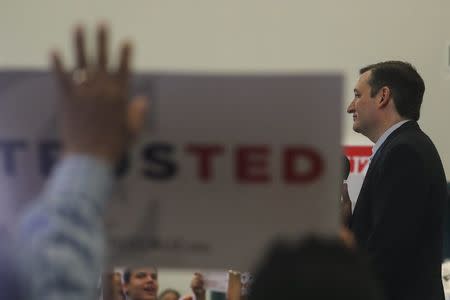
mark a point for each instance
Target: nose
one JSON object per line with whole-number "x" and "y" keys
{"x": 149, "y": 278}
{"x": 351, "y": 107}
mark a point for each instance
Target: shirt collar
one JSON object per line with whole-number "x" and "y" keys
{"x": 384, "y": 136}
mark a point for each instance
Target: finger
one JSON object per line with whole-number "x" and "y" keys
{"x": 137, "y": 112}
{"x": 102, "y": 47}
{"x": 58, "y": 70}
{"x": 124, "y": 62}
{"x": 347, "y": 237}
{"x": 80, "y": 48}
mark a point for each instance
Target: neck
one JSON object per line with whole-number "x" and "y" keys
{"x": 384, "y": 126}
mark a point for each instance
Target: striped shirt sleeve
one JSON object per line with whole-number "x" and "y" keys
{"x": 61, "y": 237}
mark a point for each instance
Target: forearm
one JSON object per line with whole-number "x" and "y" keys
{"x": 62, "y": 235}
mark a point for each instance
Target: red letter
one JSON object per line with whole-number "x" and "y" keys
{"x": 362, "y": 164}
{"x": 352, "y": 164}
{"x": 204, "y": 154}
{"x": 251, "y": 164}
{"x": 315, "y": 167}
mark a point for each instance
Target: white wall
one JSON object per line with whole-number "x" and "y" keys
{"x": 254, "y": 35}
{"x": 175, "y": 279}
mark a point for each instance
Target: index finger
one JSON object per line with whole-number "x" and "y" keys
{"x": 102, "y": 51}
{"x": 80, "y": 48}
{"x": 124, "y": 64}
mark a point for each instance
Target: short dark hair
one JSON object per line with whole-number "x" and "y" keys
{"x": 406, "y": 85}
{"x": 316, "y": 268}
{"x": 129, "y": 271}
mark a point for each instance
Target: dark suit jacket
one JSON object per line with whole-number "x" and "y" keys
{"x": 399, "y": 214}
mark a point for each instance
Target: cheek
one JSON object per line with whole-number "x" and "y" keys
{"x": 359, "y": 108}
{"x": 136, "y": 284}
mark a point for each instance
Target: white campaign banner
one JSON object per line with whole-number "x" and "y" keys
{"x": 218, "y": 281}
{"x": 359, "y": 157}
{"x": 225, "y": 165}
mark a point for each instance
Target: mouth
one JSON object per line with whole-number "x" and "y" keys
{"x": 354, "y": 117}
{"x": 150, "y": 290}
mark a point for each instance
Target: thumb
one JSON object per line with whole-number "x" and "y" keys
{"x": 137, "y": 111}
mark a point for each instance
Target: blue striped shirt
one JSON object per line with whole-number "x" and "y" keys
{"x": 61, "y": 237}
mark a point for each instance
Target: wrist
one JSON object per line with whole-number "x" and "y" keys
{"x": 107, "y": 157}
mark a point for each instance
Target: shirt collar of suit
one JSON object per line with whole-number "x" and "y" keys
{"x": 384, "y": 136}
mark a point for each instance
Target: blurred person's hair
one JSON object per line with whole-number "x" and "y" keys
{"x": 315, "y": 268}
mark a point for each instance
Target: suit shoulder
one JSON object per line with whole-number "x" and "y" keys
{"x": 413, "y": 148}
{"x": 411, "y": 139}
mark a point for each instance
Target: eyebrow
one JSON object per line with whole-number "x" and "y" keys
{"x": 355, "y": 91}
{"x": 152, "y": 273}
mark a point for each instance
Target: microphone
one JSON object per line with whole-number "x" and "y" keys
{"x": 345, "y": 168}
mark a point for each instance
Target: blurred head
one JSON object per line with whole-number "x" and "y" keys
{"x": 169, "y": 294}
{"x": 141, "y": 283}
{"x": 313, "y": 269}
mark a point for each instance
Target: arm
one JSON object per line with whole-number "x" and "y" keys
{"x": 12, "y": 280}
{"x": 62, "y": 236}
{"x": 234, "y": 286}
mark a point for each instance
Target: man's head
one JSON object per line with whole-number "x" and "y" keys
{"x": 141, "y": 283}
{"x": 169, "y": 294}
{"x": 385, "y": 93}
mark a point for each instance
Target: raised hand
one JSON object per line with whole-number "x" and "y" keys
{"x": 97, "y": 118}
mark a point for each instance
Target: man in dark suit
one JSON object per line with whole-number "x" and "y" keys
{"x": 398, "y": 217}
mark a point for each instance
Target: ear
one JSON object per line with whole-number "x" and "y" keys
{"x": 384, "y": 97}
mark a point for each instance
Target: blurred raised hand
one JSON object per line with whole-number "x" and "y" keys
{"x": 97, "y": 117}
